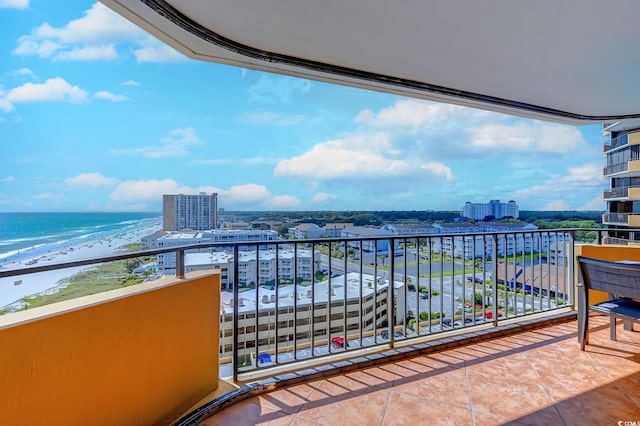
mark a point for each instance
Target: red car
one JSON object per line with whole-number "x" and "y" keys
{"x": 489, "y": 314}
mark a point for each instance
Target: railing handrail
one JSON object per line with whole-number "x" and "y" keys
{"x": 183, "y": 248}
{"x": 515, "y": 272}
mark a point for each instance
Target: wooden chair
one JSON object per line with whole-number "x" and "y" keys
{"x": 621, "y": 281}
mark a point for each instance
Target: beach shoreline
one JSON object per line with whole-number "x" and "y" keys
{"x": 13, "y": 289}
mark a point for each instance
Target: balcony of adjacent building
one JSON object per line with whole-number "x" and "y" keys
{"x": 630, "y": 168}
{"x": 622, "y": 194}
{"x": 622, "y": 212}
{"x": 409, "y": 330}
{"x": 625, "y": 219}
{"x": 618, "y": 143}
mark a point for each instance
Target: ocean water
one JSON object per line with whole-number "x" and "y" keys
{"x": 26, "y": 232}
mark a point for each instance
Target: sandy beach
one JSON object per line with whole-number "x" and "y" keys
{"x": 31, "y": 284}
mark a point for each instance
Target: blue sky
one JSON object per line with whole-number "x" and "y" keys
{"x": 95, "y": 115}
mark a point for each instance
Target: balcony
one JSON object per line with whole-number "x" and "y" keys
{"x": 625, "y": 219}
{"x": 365, "y": 322}
{"x": 625, "y": 169}
{"x": 616, "y": 194}
{"x": 614, "y": 143}
{"x": 622, "y": 194}
{"x": 536, "y": 376}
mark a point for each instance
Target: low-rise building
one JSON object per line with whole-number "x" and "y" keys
{"x": 303, "y": 314}
{"x": 167, "y": 261}
{"x": 306, "y": 230}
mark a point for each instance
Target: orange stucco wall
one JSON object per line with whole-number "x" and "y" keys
{"x": 606, "y": 252}
{"x": 134, "y": 356}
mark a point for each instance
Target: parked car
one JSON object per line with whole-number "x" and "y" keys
{"x": 424, "y": 295}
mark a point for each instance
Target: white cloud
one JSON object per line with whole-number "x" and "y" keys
{"x": 595, "y": 204}
{"x": 247, "y": 196}
{"x": 28, "y": 46}
{"x": 278, "y": 89}
{"x": 24, "y": 71}
{"x": 14, "y": 4}
{"x": 451, "y": 132}
{"x": 95, "y": 36}
{"x": 439, "y": 169}
{"x": 90, "y": 180}
{"x": 244, "y": 195}
{"x": 147, "y": 190}
{"x": 52, "y": 90}
{"x": 98, "y": 25}
{"x": 108, "y": 96}
{"x": 158, "y": 53}
{"x": 88, "y": 53}
{"x": 570, "y": 188}
{"x": 130, "y": 83}
{"x": 527, "y": 137}
{"x": 283, "y": 202}
{"x": 369, "y": 157}
{"x": 174, "y": 145}
{"x": 8, "y": 179}
{"x": 6, "y": 106}
{"x": 323, "y": 197}
{"x": 416, "y": 113}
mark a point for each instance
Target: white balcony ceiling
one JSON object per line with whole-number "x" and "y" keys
{"x": 572, "y": 61}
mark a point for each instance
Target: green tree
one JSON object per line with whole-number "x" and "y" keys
{"x": 478, "y": 299}
{"x": 412, "y": 324}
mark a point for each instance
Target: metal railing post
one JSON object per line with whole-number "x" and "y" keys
{"x": 236, "y": 293}
{"x": 180, "y": 264}
{"x": 391, "y": 292}
{"x": 494, "y": 281}
{"x": 572, "y": 275}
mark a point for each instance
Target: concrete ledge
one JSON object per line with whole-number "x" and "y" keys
{"x": 125, "y": 356}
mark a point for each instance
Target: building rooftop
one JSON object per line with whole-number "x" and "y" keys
{"x": 337, "y": 285}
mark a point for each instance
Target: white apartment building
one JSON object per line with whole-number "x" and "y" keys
{"x": 380, "y": 245}
{"x": 263, "y": 270}
{"x": 306, "y": 230}
{"x": 350, "y": 302}
{"x": 469, "y": 247}
{"x": 478, "y": 211}
{"x": 167, "y": 261}
{"x": 410, "y": 229}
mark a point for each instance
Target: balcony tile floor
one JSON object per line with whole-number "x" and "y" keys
{"x": 538, "y": 377}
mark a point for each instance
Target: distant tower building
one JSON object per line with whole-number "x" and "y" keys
{"x": 197, "y": 212}
{"x": 478, "y": 211}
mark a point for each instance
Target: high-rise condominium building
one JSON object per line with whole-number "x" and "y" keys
{"x": 622, "y": 152}
{"x": 197, "y": 212}
{"x": 478, "y": 211}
